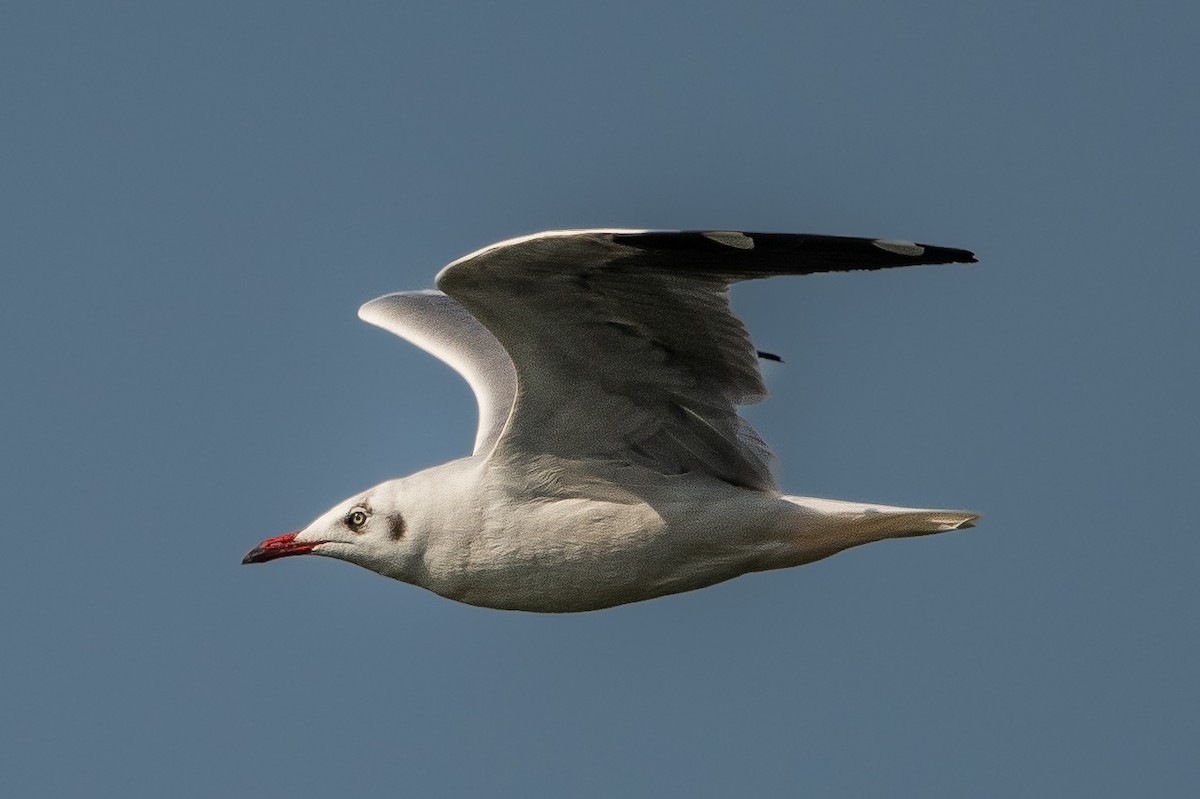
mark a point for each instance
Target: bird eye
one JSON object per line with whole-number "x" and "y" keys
{"x": 356, "y": 519}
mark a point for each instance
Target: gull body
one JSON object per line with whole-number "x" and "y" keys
{"x": 610, "y": 464}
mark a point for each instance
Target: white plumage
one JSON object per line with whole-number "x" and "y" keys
{"x": 610, "y": 463}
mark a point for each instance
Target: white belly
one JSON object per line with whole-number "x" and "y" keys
{"x": 649, "y": 537}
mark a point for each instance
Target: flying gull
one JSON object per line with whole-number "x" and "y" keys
{"x": 610, "y": 462}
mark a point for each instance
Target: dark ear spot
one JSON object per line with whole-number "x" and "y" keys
{"x": 397, "y": 527}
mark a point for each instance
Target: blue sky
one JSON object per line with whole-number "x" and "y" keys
{"x": 197, "y": 197}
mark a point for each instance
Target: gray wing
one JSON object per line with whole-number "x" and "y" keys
{"x": 624, "y": 343}
{"x": 444, "y": 329}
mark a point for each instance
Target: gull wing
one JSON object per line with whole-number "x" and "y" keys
{"x": 625, "y": 346}
{"x": 444, "y": 329}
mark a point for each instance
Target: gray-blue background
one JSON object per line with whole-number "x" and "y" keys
{"x": 195, "y": 198}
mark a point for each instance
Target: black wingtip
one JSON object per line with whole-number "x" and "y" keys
{"x": 961, "y": 256}
{"x": 933, "y": 254}
{"x": 761, "y": 254}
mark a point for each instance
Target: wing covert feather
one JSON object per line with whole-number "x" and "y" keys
{"x": 624, "y": 343}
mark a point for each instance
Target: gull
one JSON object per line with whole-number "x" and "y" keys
{"x": 610, "y": 463}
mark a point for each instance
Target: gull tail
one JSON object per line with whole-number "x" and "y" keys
{"x": 929, "y": 522}
{"x": 863, "y": 523}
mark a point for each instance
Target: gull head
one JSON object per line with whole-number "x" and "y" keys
{"x": 369, "y": 529}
